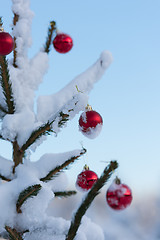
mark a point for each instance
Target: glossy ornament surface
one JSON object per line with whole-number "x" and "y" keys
{"x": 62, "y": 43}
{"x": 119, "y": 196}
{"x": 86, "y": 179}
{"x": 90, "y": 123}
{"x": 6, "y": 43}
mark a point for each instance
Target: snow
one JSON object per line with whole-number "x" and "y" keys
{"x": 34, "y": 211}
{"x": 25, "y": 79}
{"x": 12, "y": 125}
{"x": 22, "y": 30}
{"x": 84, "y": 82}
{"x": 91, "y": 230}
{"x": 6, "y": 167}
{"x": 50, "y": 161}
{"x": 92, "y": 132}
{"x": 30, "y": 73}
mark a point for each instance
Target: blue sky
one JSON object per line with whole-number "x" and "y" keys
{"x": 127, "y": 96}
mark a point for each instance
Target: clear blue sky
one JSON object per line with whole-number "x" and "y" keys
{"x": 127, "y": 97}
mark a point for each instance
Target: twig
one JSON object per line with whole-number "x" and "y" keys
{"x": 56, "y": 170}
{"x": 51, "y": 29}
{"x": 15, "y": 20}
{"x": 6, "y": 84}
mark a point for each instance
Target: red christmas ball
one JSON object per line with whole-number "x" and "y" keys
{"x": 62, "y": 43}
{"x": 90, "y": 123}
{"x": 118, "y": 196}
{"x": 86, "y": 179}
{"x": 6, "y": 43}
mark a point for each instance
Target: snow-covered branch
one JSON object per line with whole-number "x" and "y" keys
{"x": 22, "y": 29}
{"x": 54, "y": 124}
{"x": 84, "y": 82}
{"x": 13, "y": 233}
{"x": 75, "y": 223}
{"x": 54, "y": 172}
{"x": 51, "y": 164}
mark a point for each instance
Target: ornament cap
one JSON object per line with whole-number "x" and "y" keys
{"x": 1, "y": 29}
{"x": 86, "y": 167}
{"x": 88, "y": 108}
{"x": 117, "y": 181}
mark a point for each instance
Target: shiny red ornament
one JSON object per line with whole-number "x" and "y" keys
{"x": 62, "y": 43}
{"x": 118, "y": 196}
{"x": 86, "y": 179}
{"x": 90, "y": 123}
{"x": 6, "y": 43}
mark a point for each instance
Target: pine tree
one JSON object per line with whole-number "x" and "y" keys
{"x": 27, "y": 186}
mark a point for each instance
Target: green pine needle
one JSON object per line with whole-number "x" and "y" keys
{"x": 13, "y": 234}
{"x": 76, "y": 221}
{"x": 6, "y": 84}
{"x": 27, "y": 193}
{"x": 64, "y": 194}
{"x": 54, "y": 172}
{"x": 51, "y": 30}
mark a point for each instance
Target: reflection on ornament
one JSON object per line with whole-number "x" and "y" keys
{"x": 62, "y": 43}
{"x": 86, "y": 179}
{"x": 6, "y": 43}
{"x": 90, "y": 123}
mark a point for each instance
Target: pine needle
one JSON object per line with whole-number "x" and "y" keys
{"x": 27, "y": 193}
{"x": 64, "y": 194}
{"x": 54, "y": 172}
{"x": 6, "y": 84}
{"x": 51, "y": 30}
{"x": 76, "y": 221}
{"x": 13, "y": 234}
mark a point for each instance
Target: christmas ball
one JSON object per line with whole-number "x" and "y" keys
{"x": 86, "y": 179}
{"x": 62, "y": 43}
{"x": 6, "y": 43}
{"x": 90, "y": 123}
{"x": 118, "y": 196}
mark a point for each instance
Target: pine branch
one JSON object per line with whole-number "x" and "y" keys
{"x": 53, "y": 173}
{"x": 45, "y": 129}
{"x": 6, "y": 85}
{"x": 76, "y": 221}
{"x": 65, "y": 193}
{"x": 51, "y": 30}
{"x": 64, "y": 119}
{"x": 13, "y": 234}
{"x": 15, "y": 20}
{"x": 27, "y": 193}
{"x": 36, "y": 134}
{"x": 5, "y": 178}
